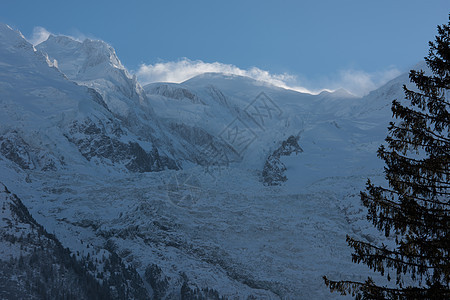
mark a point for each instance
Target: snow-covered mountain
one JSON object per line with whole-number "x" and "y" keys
{"x": 95, "y": 64}
{"x": 221, "y": 186}
{"x": 51, "y": 122}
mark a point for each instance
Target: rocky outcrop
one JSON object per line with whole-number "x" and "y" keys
{"x": 14, "y": 148}
{"x": 102, "y": 141}
{"x": 273, "y": 171}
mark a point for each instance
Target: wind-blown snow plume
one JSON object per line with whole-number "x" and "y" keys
{"x": 356, "y": 82}
{"x": 39, "y": 35}
{"x": 360, "y": 83}
{"x": 179, "y": 71}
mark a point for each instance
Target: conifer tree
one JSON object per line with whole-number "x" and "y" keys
{"x": 415, "y": 207}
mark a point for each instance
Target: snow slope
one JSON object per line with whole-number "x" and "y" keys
{"x": 34, "y": 264}
{"x": 78, "y": 138}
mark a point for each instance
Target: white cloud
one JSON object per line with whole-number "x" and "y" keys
{"x": 356, "y": 82}
{"x": 185, "y": 69}
{"x": 361, "y": 83}
{"x": 39, "y": 35}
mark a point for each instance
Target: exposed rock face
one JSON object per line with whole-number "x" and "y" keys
{"x": 157, "y": 280}
{"x": 289, "y": 146}
{"x": 273, "y": 172}
{"x": 27, "y": 157}
{"x": 102, "y": 140}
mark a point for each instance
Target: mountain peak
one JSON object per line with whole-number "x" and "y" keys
{"x": 12, "y": 39}
{"x": 76, "y": 58}
{"x": 5, "y": 27}
{"x": 94, "y": 63}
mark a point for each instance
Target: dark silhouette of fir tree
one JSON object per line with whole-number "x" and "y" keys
{"x": 415, "y": 206}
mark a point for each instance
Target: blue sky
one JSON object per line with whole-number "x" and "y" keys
{"x": 313, "y": 44}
